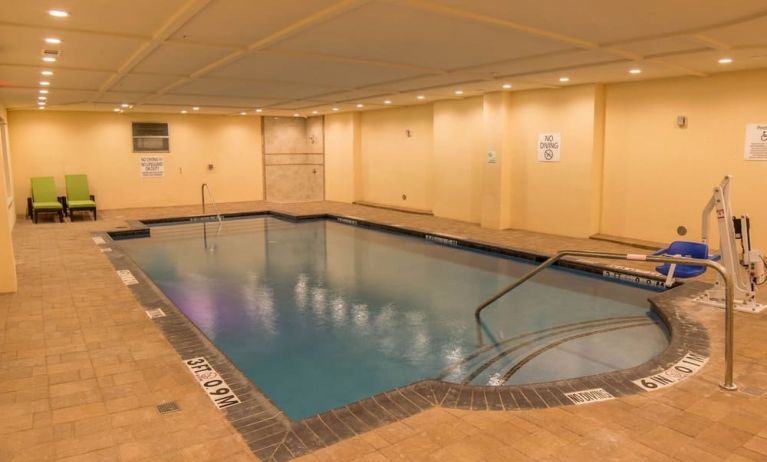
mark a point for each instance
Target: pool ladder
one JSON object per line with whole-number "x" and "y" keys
{"x": 729, "y": 314}
{"x": 212, "y": 199}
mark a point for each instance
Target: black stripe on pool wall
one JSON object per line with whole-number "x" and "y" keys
{"x": 272, "y": 436}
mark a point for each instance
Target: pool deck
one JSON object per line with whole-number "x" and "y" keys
{"x": 82, "y": 369}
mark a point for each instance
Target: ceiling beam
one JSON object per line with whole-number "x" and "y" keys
{"x": 292, "y": 29}
{"x": 186, "y": 12}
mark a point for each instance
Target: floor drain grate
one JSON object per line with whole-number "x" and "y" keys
{"x": 754, "y": 391}
{"x": 168, "y": 407}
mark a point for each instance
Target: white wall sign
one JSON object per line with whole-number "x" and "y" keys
{"x": 549, "y": 147}
{"x": 152, "y": 166}
{"x": 756, "y": 142}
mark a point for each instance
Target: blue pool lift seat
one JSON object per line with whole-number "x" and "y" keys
{"x": 683, "y": 249}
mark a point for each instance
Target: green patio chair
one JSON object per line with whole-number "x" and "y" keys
{"x": 44, "y": 198}
{"x": 79, "y": 198}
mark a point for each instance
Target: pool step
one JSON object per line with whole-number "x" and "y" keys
{"x": 197, "y": 230}
{"x": 496, "y": 364}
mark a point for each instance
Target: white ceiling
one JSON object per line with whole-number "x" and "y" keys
{"x": 300, "y": 56}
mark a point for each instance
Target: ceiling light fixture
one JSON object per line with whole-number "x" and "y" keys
{"x": 46, "y": 73}
{"x": 184, "y": 111}
{"x": 49, "y": 59}
{"x": 635, "y": 71}
{"x": 420, "y": 97}
{"x": 335, "y": 109}
{"x": 296, "y": 114}
{"x": 387, "y": 102}
{"x": 41, "y": 103}
{"x": 196, "y": 108}
{"x": 506, "y": 86}
{"x": 243, "y": 113}
{"x": 124, "y": 105}
{"x": 40, "y": 108}
{"x": 45, "y": 83}
{"x": 117, "y": 109}
{"x": 259, "y": 110}
{"x": 459, "y": 92}
{"x": 52, "y": 40}
{"x": 360, "y": 105}
{"x": 725, "y": 61}
{"x": 42, "y": 98}
{"x": 58, "y": 13}
{"x": 43, "y": 91}
{"x": 564, "y": 79}
{"x": 314, "y": 112}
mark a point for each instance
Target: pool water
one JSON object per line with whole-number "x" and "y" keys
{"x": 319, "y": 314}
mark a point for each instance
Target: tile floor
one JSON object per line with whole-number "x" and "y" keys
{"x": 82, "y": 369}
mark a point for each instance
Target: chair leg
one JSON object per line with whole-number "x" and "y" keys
{"x": 94, "y": 214}
{"x": 61, "y": 216}
{"x": 34, "y": 215}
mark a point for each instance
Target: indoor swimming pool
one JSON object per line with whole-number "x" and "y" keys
{"x": 319, "y": 313}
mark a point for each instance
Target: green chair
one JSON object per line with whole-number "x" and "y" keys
{"x": 44, "y": 198}
{"x": 79, "y": 198}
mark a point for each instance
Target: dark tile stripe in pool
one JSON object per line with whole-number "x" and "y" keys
{"x": 272, "y": 436}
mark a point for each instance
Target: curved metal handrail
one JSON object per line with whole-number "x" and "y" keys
{"x": 213, "y": 199}
{"x": 729, "y": 313}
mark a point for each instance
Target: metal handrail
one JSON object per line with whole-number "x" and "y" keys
{"x": 213, "y": 200}
{"x": 729, "y": 313}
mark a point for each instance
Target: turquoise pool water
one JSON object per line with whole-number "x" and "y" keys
{"x": 319, "y": 314}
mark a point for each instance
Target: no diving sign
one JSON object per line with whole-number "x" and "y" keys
{"x": 549, "y": 147}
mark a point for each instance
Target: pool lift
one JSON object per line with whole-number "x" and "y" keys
{"x": 747, "y": 268}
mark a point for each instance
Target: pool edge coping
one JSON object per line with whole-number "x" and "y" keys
{"x": 273, "y": 436}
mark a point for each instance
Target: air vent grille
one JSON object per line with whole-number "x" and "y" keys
{"x": 150, "y": 137}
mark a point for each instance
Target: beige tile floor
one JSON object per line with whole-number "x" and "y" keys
{"x": 82, "y": 368}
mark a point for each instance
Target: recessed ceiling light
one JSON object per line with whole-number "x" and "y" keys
{"x": 53, "y": 40}
{"x": 314, "y": 112}
{"x": 184, "y": 111}
{"x": 45, "y": 83}
{"x": 196, "y": 108}
{"x": 41, "y": 107}
{"x": 117, "y": 109}
{"x": 58, "y": 13}
{"x": 387, "y": 102}
{"x": 506, "y": 86}
{"x": 635, "y": 71}
{"x": 259, "y": 110}
{"x": 42, "y": 98}
{"x": 243, "y": 113}
{"x": 125, "y": 105}
{"x": 420, "y": 97}
{"x": 360, "y": 105}
{"x": 725, "y": 61}
{"x": 296, "y": 114}
{"x": 459, "y": 92}
{"x": 41, "y": 103}
{"x": 564, "y": 79}
{"x": 335, "y": 109}
{"x": 49, "y": 59}
{"x": 43, "y": 91}
{"x": 46, "y": 73}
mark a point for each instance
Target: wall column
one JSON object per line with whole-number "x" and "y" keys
{"x": 8, "y": 281}
{"x": 496, "y": 176}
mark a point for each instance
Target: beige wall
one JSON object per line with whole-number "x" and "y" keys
{"x": 459, "y": 151}
{"x": 393, "y": 164}
{"x": 342, "y": 146}
{"x": 658, "y": 176}
{"x": 555, "y": 197}
{"x": 7, "y": 220}
{"x": 99, "y": 145}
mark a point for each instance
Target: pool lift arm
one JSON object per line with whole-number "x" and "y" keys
{"x": 748, "y": 269}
